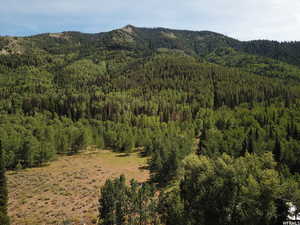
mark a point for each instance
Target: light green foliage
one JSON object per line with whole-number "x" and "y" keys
{"x": 120, "y": 204}
{"x": 225, "y": 190}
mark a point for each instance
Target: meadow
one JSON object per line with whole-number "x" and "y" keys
{"x": 66, "y": 191}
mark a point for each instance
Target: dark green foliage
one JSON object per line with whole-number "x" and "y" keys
{"x": 171, "y": 208}
{"x": 166, "y": 156}
{"x": 284, "y": 51}
{"x": 120, "y": 204}
{"x": 277, "y": 150}
{"x": 4, "y": 219}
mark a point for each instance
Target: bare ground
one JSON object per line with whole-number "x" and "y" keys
{"x": 67, "y": 190}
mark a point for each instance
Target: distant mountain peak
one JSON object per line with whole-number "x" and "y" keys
{"x": 128, "y": 28}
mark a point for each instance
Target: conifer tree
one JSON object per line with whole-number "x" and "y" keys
{"x": 277, "y": 150}
{"x": 4, "y": 219}
{"x": 244, "y": 147}
{"x": 107, "y": 204}
{"x": 251, "y": 145}
{"x": 202, "y": 139}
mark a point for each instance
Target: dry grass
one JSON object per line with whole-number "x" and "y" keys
{"x": 67, "y": 190}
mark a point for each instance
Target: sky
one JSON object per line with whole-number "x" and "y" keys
{"x": 241, "y": 19}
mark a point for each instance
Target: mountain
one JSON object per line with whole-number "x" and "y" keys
{"x": 212, "y": 47}
{"x": 154, "y": 72}
{"x": 198, "y": 43}
{"x": 191, "y": 101}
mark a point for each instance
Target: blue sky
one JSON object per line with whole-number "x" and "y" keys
{"x": 242, "y": 19}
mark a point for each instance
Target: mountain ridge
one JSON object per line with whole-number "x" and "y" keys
{"x": 196, "y": 43}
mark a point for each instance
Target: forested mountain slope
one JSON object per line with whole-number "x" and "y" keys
{"x": 158, "y": 90}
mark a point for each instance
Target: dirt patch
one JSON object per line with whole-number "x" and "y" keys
{"x": 59, "y": 35}
{"x": 13, "y": 46}
{"x": 169, "y": 35}
{"x": 129, "y": 29}
{"x": 4, "y": 52}
{"x": 67, "y": 190}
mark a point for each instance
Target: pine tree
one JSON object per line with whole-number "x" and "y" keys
{"x": 4, "y": 219}
{"x": 107, "y": 204}
{"x": 288, "y": 131}
{"x": 121, "y": 192}
{"x": 244, "y": 147}
{"x": 202, "y": 139}
{"x": 251, "y": 144}
{"x": 277, "y": 150}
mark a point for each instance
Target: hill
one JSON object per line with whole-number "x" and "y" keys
{"x": 157, "y": 90}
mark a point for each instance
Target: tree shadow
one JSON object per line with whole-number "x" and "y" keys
{"x": 144, "y": 168}
{"x": 123, "y": 155}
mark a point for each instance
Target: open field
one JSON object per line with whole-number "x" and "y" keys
{"x": 67, "y": 190}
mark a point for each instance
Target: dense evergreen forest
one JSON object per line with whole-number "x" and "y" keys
{"x": 218, "y": 118}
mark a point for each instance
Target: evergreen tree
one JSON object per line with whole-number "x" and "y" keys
{"x": 251, "y": 142}
{"x": 244, "y": 147}
{"x": 251, "y": 145}
{"x": 4, "y": 219}
{"x": 202, "y": 139}
{"x": 107, "y": 204}
{"x": 277, "y": 150}
{"x": 127, "y": 205}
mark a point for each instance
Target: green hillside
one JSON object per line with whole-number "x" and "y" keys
{"x": 197, "y": 103}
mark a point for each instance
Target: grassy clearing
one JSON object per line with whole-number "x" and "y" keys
{"x": 67, "y": 190}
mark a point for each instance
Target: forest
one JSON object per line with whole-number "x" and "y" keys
{"x": 219, "y": 120}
